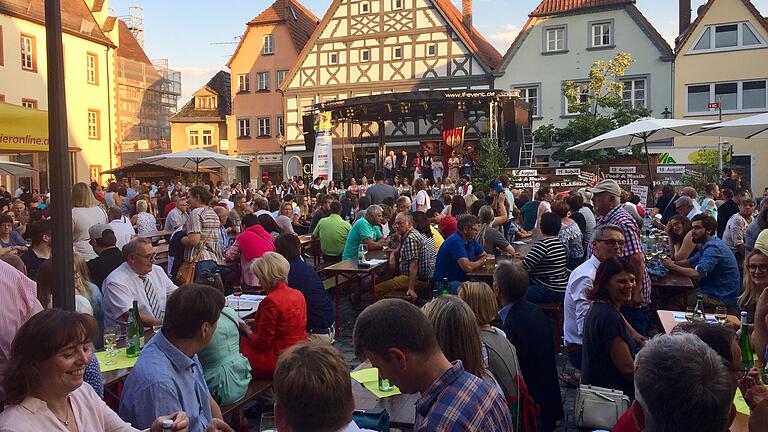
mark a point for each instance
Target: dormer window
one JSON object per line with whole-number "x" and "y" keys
{"x": 727, "y": 37}
{"x": 205, "y": 102}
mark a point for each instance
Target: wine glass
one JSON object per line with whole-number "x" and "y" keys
{"x": 721, "y": 315}
{"x": 110, "y": 341}
{"x": 237, "y": 291}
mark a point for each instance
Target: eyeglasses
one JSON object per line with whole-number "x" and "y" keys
{"x": 755, "y": 267}
{"x": 611, "y": 242}
{"x": 148, "y": 256}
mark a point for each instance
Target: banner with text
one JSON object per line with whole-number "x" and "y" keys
{"x": 322, "y": 157}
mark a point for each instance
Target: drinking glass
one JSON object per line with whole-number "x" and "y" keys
{"x": 110, "y": 341}
{"x": 689, "y": 314}
{"x": 237, "y": 291}
{"x": 156, "y": 328}
{"x": 721, "y": 314}
{"x": 267, "y": 423}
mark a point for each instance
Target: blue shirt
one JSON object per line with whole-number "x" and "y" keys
{"x": 303, "y": 277}
{"x": 505, "y": 311}
{"x": 454, "y": 248}
{"x": 718, "y": 271}
{"x": 165, "y": 380}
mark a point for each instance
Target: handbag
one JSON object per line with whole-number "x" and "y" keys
{"x": 598, "y": 407}
{"x": 374, "y": 418}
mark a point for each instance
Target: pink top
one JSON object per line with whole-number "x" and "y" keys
{"x": 19, "y": 294}
{"x": 250, "y": 244}
{"x": 91, "y": 414}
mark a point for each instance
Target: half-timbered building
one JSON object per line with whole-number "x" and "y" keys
{"x": 369, "y": 47}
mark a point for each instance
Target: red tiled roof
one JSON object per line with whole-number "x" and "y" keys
{"x": 218, "y": 84}
{"x": 681, "y": 39}
{"x": 129, "y": 47}
{"x": 301, "y": 22}
{"x": 552, "y": 7}
{"x": 76, "y": 18}
{"x": 476, "y": 42}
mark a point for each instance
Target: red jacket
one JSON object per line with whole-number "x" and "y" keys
{"x": 281, "y": 322}
{"x": 633, "y": 419}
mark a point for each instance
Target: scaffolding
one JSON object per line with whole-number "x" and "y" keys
{"x": 147, "y": 94}
{"x": 135, "y": 22}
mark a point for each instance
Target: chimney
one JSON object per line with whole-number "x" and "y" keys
{"x": 466, "y": 13}
{"x": 684, "y": 15}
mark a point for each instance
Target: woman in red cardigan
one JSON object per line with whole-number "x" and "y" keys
{"x": 281, "y": 320}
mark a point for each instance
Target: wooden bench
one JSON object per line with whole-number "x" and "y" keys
{"x": 555, "y": 313}
{"x": 255, "y": 389}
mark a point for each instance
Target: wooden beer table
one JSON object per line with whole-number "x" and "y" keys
{"x": 669, "y": 322}
{"x": 401, "y": 408}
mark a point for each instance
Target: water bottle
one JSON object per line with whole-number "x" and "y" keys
{"x": 361, "y": 253}
{"x": 445, "y": 287}
{"x": 698, "y": 310}
{"x": 747, "y": 358}
{"x": 132, "y": 346}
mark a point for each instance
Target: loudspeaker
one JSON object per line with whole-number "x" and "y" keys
{"x": 511, "y": 131}
{"x": 308, "y": 125}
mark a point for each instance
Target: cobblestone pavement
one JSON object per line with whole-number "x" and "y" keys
{"x": 344, "y": 344}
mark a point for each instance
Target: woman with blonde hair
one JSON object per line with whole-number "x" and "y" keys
{"x": 85, "y": 214}
{"x": 281, "y": 319}
{"x": 144, "y": 220}
{"x": 420, "y": 197}
{"x": 501, "y": 356}
{"x": 458, "y": 334}
{"x": 89, "y": 290}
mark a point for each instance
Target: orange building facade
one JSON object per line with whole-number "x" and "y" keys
{"x": 270, "y": 45}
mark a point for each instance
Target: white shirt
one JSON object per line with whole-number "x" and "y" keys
{"x": 123, "y": 286}
{"x": 421, "y": 199}
{"x": 576, "y": 305}
{"x": 230, "y": 204}
{"x": 175, "y": 219}
{"x": 123, "y": 231}
{"x": 694, "y": 211}
{"x": 261, "y": 212}
{"x": 353, "y": 427}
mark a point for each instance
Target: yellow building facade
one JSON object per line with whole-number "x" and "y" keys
{"x": 89, "y": 81}
{"x": 721, "y": 58}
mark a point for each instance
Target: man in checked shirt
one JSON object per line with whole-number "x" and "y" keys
{"x": 608, "y": 210}
{"x": 398, "y": 340}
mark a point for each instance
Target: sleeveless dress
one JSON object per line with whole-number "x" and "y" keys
{"x": 227, "y": 372}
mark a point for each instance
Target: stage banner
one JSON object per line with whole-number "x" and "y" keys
{"x": 322, "y": 157}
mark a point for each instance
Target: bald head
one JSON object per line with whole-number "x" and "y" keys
{"x": 222, "y": 213}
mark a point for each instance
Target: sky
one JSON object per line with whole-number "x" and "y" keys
{"x": 199, "y": 36}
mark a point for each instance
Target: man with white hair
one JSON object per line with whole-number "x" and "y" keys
{"x": 367, "y": 231}
{"x": 685, "y": 207}
{"x": 681, "y": 384}
{"x": 692, "y": 194}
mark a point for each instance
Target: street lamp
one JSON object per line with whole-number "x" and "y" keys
{"x": 666, "y": 113}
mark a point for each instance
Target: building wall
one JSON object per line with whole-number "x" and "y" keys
{"x": 530, "y": 67}
{"x": 255, "y": 104}
{"x": 17, "y": 84}
{"x": 180, "y": 135}
{"x": 379, "y": 32}
{"x": 749, "y": 64}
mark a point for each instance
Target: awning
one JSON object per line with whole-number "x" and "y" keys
{"x": 23, "y": 129}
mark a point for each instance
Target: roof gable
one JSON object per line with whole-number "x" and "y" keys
{"x": 488, "y": 56}
{"x": 218, "y": 85}
{"x": 76, "y": 18}
{"x": 647, "y": 28}
{"x": 683, "y": 38}
{"x": 128, "y": 47}
{"x": 300, "y": 21}
{"x": 555, "y": 7}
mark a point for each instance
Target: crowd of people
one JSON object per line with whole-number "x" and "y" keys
{"x": 482, "y": 357}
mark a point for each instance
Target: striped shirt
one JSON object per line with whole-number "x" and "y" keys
{"x": 205, "y": 221}
{"x": 546, "y": 264}
{"x": 618, "y": 216}
{"x": 460, "y": 401}
{"x": 19, "y": 294}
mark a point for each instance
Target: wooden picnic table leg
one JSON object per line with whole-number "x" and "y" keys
{"x": 373, "y": 287}
{"x": 317, "y": 253}
{"x": 337, "y": 300}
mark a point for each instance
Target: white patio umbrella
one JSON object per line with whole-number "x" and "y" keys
{"x": 15, "y": 169}
{"x": 752, "y": 127}
{"x": 196, "y": 158}
{"x": 640, "y": 132}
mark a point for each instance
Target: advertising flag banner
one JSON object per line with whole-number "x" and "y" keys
{"x": 322, "y": 157}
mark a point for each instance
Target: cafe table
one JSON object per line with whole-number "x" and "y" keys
{"x": 670, "y": 319}
{"x": 485, "y": 273}
{"x": 671, "y": 291}
{"x": 310, "y": 244}
{"x": 401, "y": 407}
{"x": 351, "y": 268}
